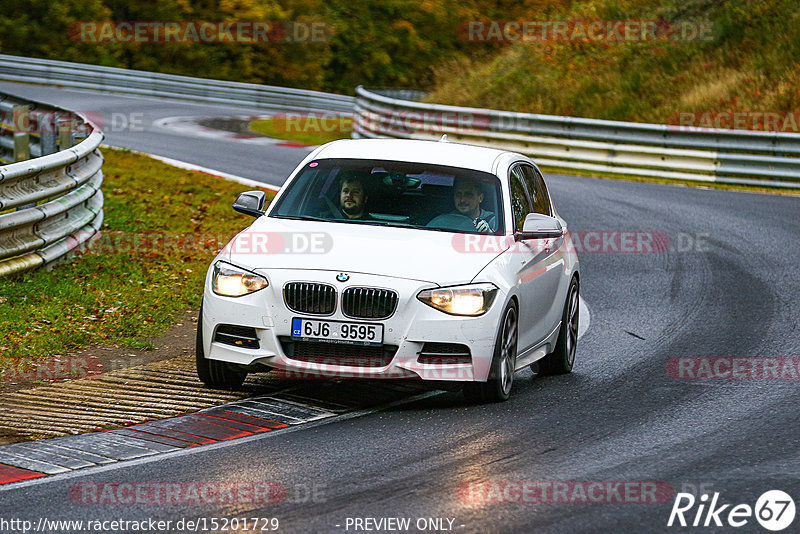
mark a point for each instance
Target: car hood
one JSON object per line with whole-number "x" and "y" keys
{"x": 425, "y": 255}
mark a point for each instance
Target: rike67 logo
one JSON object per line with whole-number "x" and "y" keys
{"x": 774, "y": 510}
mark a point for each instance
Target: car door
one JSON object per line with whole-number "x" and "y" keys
{"x": 525, "y": 259}
{"x": 550, "y": 280}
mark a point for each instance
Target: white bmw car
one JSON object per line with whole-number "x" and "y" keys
{"x": 385, "y": 258}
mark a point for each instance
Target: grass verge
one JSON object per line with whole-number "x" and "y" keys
{"x": 163, "y": 226}
{"x": 704, "y": 61}
{"x": 307, "y": 130}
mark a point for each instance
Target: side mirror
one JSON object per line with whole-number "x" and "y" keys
{"x": 538, "y": 226}
{"x": 251, "y": 203}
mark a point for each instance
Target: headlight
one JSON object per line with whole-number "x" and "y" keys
{"x": 474, "y": 299}
{"x": 231, "y": 281}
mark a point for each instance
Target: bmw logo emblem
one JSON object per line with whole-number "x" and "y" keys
{"x": 343, "y": 277}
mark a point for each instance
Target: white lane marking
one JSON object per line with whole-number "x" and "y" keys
{"x": 214, "y": 172}
{"x": 192, "y": 167}
{"x": 585, "y": 317}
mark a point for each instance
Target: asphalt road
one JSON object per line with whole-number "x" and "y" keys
{"x": 134, "y": 122}
{"x": 726, "y": 287}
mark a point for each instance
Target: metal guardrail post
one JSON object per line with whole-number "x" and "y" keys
{"x": 65, "y": 139}
{"x": 48, "y": 141}
{"x": 22, "y": 138}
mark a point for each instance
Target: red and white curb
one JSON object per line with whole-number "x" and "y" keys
{"x": 190, "y": 126}
{"x": 256, "y": 415}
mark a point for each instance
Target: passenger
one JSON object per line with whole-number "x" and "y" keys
{"x": 467, "y": 197}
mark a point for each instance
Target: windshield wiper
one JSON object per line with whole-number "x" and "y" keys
{"x": 301, "y": 218}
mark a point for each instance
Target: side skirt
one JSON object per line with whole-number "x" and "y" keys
{"x": 538, "y": 350}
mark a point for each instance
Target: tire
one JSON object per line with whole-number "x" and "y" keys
{"x": 501, "y": 375}
{"x": 561, "y": 360}
{"x": 213, "y": 373}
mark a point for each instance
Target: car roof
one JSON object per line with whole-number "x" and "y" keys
{"x": 411, "y": 150}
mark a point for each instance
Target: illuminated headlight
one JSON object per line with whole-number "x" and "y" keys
{"x": 230, "y": 281}
{"x": 474, "y": 299}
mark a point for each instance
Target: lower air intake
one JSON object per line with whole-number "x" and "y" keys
{"x": 338, "y": 353}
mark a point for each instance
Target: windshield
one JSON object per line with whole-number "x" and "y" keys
{"x": 393, "y": 193}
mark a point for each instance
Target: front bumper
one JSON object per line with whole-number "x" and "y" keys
{"x": 409, "y": 328}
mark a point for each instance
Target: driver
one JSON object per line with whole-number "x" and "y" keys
{"x": 467, "y": 197}
{"x": 353, "y": 198}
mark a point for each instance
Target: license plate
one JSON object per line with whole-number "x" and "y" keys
{"x": 337, "y": 332}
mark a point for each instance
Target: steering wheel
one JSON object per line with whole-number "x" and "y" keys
{"x": 453, "y": 221}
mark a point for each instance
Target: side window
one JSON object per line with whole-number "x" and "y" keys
{"x": 520, "y": 203}
{"x": 536, "y": 189}
{"x": 545, "y": 194}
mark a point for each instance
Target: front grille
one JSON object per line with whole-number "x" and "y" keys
{"x": 238, "y": 336}
{"x": 338, "y": 353}
{"x": 311, "y": 298}
{"x": 368, "y": 302}
{"x": 444, "y": 354}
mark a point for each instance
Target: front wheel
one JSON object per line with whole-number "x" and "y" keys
{"x": 501, "y": 375}
{"x": 214, "y": 373}
{"x": 561, "y": 360}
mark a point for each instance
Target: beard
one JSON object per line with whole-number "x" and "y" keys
{"x": 354, "y": 210}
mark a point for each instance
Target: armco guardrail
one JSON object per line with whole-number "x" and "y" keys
{"x": 184, "y": 88}
{"x": 52, "y": 203}
{"x": 623, "y": 148}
